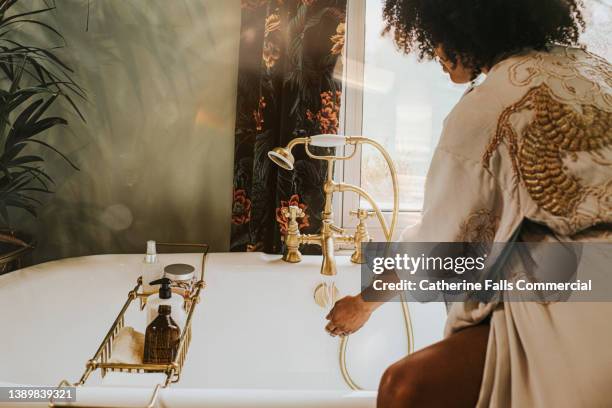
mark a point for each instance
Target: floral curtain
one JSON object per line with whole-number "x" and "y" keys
{"x": 289, "y": 84}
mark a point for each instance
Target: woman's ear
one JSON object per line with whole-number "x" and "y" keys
{"x": 459, "y": 73}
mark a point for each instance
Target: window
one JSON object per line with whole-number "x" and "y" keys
{"x": 402, "y": 103}
{"x": 598, "y": 16}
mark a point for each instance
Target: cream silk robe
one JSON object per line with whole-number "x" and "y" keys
{"x": 533, "y": 141}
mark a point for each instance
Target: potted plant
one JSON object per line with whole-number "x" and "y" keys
{"x": 33, "y": 79}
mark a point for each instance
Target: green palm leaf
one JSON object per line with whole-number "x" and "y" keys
{"x": 34, "y": 80}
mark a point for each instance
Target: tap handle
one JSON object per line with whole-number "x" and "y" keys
{"x": 293, "y": 212}
{"x": 361, "y": 234}
{"x": 362, "y": 214}
{"x": 292, "y": 236}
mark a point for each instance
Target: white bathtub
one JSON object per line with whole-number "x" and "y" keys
{"x": 258, "y": 336}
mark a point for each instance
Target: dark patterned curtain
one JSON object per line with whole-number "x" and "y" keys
{"x": 289, "y": 84}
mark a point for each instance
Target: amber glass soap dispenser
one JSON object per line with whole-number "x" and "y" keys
{"x": 161, "y": 338}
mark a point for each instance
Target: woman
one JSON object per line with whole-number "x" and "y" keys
{"x": 532, "y": 142}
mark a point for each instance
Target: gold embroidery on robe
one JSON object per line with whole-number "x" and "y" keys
{"x": 573, "y": 76}
{"x": 599, "y": 233}
{"x": 556, "y": 131}
{"x": 480, "y": 226}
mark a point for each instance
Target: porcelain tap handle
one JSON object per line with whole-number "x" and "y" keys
{"x": 293, "y": 212}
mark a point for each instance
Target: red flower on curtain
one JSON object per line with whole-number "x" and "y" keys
{"x": 241, "y": 208}
{"x": 271, "y": 54}
{"x": 258, "y": 114}
{"x": 327, "y": 116}
{"x": 271, "y": 50}
{"x": 338, "y": 39}
{"x": 272, "y": 23}
{"x": 283, "y": 222}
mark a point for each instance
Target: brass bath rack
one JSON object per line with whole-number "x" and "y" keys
{"x": 100, "y": 359}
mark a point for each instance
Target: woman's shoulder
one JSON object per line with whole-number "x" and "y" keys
{"x": 468, "y": 125}
{"x": 570, "y": 75}
{"x": 563, "y": 78}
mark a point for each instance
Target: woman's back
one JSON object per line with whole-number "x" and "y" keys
{"x": 540, "y": 127}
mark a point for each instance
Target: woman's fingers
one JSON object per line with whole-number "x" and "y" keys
{"x": 336, "y": 332}
{"x": 334, "y": 329}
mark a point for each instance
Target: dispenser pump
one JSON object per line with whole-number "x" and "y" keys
{"x": 175, "y": 303}
{"x": 165, "y": 292}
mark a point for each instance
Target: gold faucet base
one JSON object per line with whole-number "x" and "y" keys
{"x": 292, "y": 257}
{"x": 358, "y": 258}
{"x": 322, "y": 294}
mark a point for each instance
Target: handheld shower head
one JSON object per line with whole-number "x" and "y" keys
{"x": 282, "y": 157}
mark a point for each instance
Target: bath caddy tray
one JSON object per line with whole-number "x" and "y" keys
{"x": 100, "y": 359}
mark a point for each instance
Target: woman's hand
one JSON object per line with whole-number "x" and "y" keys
{"x": 348, "y": 315}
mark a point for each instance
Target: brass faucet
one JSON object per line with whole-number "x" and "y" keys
{"x": 330, "y": 234}
{"x": 328, "y": 238}
{"x": 326, "y": 293}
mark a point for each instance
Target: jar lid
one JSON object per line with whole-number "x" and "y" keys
{"x": 179, "y": 272}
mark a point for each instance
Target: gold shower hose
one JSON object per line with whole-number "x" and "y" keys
{"x": 388, "y": 236}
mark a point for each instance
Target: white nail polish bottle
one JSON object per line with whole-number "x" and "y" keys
{"x": 151, "y": 269}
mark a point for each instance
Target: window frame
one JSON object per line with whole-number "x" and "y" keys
{"x": 349, "y": 171}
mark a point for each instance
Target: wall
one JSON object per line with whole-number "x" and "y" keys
{"x": 156, "y": 153}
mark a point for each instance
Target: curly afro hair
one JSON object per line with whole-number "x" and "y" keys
{"x": 479, "y": 32}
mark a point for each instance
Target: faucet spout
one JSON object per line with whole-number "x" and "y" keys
{"x": 328, "y": 267}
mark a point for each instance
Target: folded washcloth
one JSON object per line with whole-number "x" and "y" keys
{"x": 128, "y": 347}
